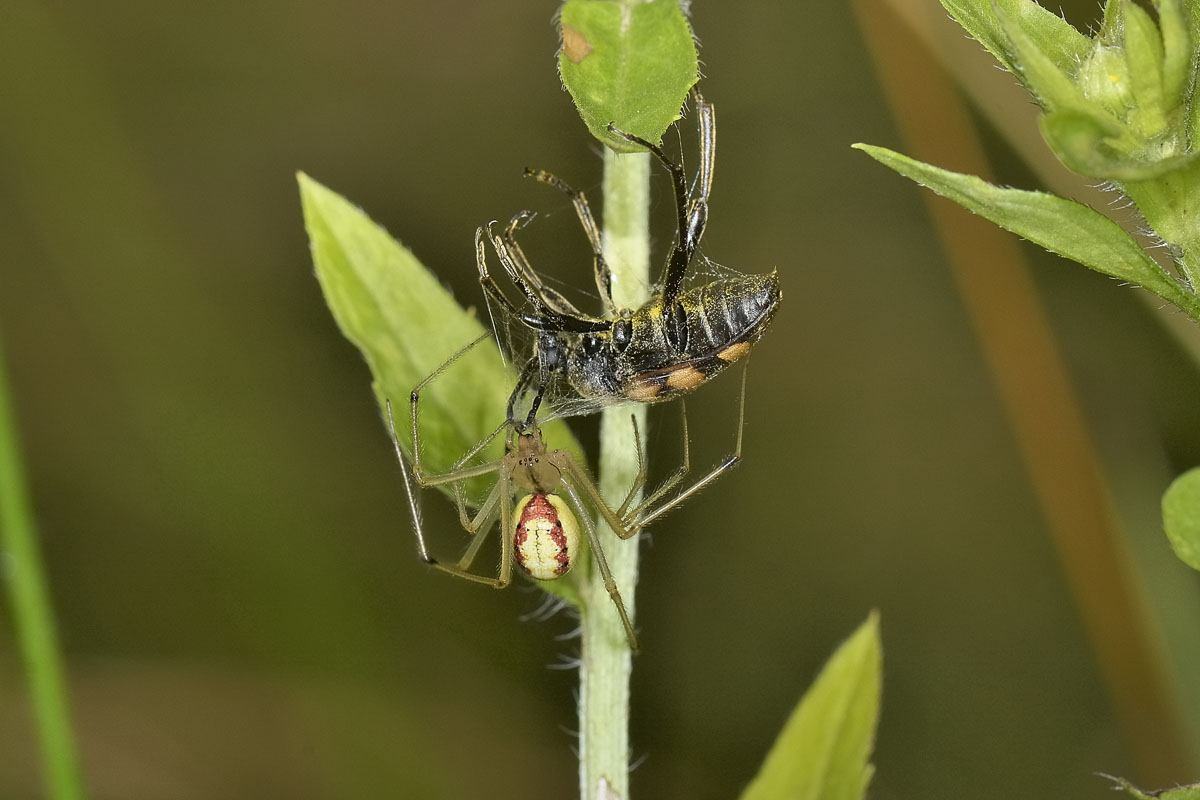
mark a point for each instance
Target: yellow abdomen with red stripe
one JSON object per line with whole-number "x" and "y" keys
{"x": 546, "y": 538}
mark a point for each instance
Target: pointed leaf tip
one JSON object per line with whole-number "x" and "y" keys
{"x": 1190, "y": 792}
{"x": 1062, "y": 226}
{"x": 824, "y": 750}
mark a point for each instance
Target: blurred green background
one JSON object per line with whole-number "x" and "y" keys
{"x": 240, "y": 601}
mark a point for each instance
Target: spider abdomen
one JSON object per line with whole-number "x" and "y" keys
{"x": 546, "y": 536}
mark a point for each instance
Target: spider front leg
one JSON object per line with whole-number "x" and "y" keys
{"x": 458, "y": 472}
{"x": 457, "y": 475}
{"x": 639, "y": 480}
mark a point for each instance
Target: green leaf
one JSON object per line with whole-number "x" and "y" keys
{"x": 629, "y": 63}
{"x": 1177, "y": 53}
{"x": 1062, "y": 226}
{"x": 1079, "y": 141}
{"x": 1169, "y": 203}
{"x": 406, "y": 325}
{"x": 1191, "y": 9}
{"x": 1044, "y": 71}
{"x": 1112, "y": 22}
{"x": 1193, "y": 111}
{"x": 824, "y": 749}
{"x": 1103, "y": 77}
{"x": 32, "y": 615}
{"x": 1181, "y": 516}
{"x": 1191, "y": 792}
{"x": 1082, "y": 143}
{"x": 1144, "y": 52}
{"x": 1191, "y": 102}
{"x": 1048, "y": 33}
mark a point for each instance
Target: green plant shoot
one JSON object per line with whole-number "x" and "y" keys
{"x": 1117, "y": 107}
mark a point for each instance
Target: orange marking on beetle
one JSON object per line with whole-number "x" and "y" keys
{"x": 643, "y": 390}
{"x": 734, "y": 351}
{"x": 685, "y": 378}
{"x": 575, "y": 46}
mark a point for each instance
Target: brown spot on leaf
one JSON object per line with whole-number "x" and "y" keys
{"x": 575, "y": 46}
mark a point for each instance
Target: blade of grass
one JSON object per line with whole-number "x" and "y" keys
{"x": 32, "y": 616}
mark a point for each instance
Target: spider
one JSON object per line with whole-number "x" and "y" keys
{"x": 540, "y": 531}
{"x": 673, "y": 344}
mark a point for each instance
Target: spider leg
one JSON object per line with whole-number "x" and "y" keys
{"x": 500, "y": 497}
{"x": 639, "y": 480}
{"x": 487, "y": 516}
{"x": 477, "y": 527}
{"x": 458, "y": 472}
{"x": 577, "y": 477}
{"x": 631, "y": 523}
{"x": 532, "y": 368}
{"x": 644, "y": 518}
{"x": 589, "y": 527}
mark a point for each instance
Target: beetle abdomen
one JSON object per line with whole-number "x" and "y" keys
{"x": 723, "y": 320}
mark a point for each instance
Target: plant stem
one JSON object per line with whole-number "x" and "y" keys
{"x": 31, "y": 612}
{"x": 606, "y": 659}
